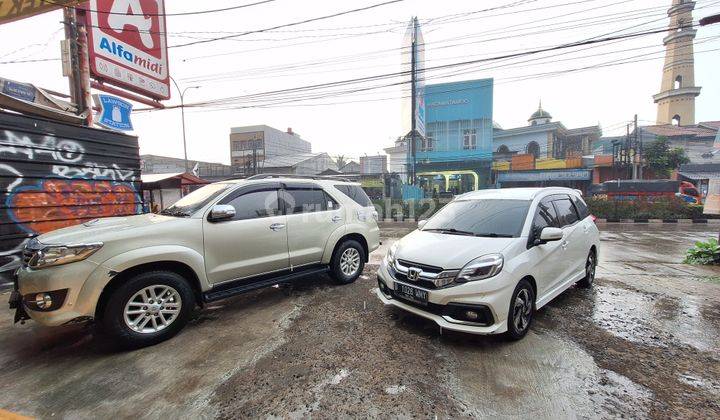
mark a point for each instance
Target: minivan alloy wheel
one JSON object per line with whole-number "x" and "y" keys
{"x": 590, "y": 268}
{"x": 522, "y": 310}
{"x": 152, "y": 309}
{"x": 350, "y": 261}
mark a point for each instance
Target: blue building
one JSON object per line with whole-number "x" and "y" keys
{"x": 456, "y": 153}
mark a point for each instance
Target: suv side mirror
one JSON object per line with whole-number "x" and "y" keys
{"x": 549, "y": 234}
{"x": 220, "y": 212}
{"x": 421, "y": 223}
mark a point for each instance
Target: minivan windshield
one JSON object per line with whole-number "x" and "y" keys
{"x": 186, "y": 206}
{"x": 494, "y": 218}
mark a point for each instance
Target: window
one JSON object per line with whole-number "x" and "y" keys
{"x": 581, "y": 207}
{"x": 470, "y": 138}
{"x": 503, "y": 218}
{"x": 307, "y": 201}
{"x": 544, "y": 217}
{"x": 356, "y": 193}
{"x": 255, "y": 204}
{"x": 676, "y": 120}
{"x": 566, "y": 213}
{"x": 427, "y": 143}
{"x": 196, "y": 200}
{"x": 678, "y": 82}
{"x": 533, "y": 149}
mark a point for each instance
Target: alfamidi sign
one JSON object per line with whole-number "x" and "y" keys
{"x": 128, "y": 45}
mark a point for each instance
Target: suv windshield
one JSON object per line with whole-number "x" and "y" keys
{"x": 196, "y": 200}
{"x": 488, "y": 218}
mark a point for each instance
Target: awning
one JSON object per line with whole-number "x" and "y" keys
{"x": 700, "y": 175}
{"x": 185, "y": 178}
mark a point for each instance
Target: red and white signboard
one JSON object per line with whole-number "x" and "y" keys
{"x": 128, "y": 46}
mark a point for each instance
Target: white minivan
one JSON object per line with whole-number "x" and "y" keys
{"x": 487, "y": 260}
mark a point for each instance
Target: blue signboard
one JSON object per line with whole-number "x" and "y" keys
{"x": 114, "y": 113}
{"x": 19, "y": 90}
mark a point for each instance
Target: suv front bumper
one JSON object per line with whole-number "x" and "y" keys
{"x": 70, "y": 280}
{"x": 492, "y": 295}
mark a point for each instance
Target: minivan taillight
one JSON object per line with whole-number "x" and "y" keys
{"x": 593, "y": 217}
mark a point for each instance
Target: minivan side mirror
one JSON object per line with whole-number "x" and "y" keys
{"x": 549, "y": 234}
{"x": 421, "y": 223}
{"x": 220, "y": 212}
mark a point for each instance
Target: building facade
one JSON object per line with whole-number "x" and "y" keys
{"x": 456, "y": 153}
{"x": 544, "y": 153}
{"x": 211, "y": 171}
{"x": 676, "y": 100}
{"x": 251, "y": 145}
{"x": 298, "y": 164}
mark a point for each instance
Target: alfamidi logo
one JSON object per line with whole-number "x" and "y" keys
{"x": 120, "y": 51}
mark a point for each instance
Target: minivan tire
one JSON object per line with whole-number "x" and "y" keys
{"x": 523, "y": 299}
{"x": 347, "y": 262}
{"x": 173, "y": 289}
{"x": 590, "y": 266}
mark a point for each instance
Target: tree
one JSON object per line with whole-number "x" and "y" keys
{"x": 340, "y": 161}
{"x": 662, "y": 159}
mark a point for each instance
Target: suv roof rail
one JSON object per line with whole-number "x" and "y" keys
{"x": 317, "y": 177}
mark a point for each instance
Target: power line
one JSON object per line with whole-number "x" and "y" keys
{"x": 198, "y": 12}
{"x": 361, "y": 9}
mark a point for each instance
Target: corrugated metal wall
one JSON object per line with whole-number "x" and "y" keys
{"x": 54, "y": 175}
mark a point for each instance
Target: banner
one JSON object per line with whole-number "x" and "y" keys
{"x": 127, "y": 45}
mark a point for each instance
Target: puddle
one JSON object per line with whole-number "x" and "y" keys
{"x": 643, "y": 318}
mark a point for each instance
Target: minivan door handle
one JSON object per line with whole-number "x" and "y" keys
{"x": 336, "y": 219}
{"x": 277, "y": 226}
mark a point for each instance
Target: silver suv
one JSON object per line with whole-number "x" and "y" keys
{"x": 142, "y": 276}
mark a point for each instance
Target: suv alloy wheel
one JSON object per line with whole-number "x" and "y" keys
{"x": 148, "y": 308}
{"x": 522, "y": 306}
{"x": 348, "y": 262}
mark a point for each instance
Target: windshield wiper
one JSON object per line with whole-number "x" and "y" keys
{"x": 494, "y": 235}
{"x": 451, "y": 231}
{"x": 174, "y": 212}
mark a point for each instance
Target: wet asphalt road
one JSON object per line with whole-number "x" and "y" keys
{"x": 642, "y": 343}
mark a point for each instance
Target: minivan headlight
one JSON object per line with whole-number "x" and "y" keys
{"x": 53, "y": 255}
{"x": 481, "y": 268}
{"x": 390, "y": 256}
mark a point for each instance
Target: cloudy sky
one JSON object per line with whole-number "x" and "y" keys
{"x": 606, "y": 83}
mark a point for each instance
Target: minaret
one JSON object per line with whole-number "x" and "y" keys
{"x": 676, "y": 100}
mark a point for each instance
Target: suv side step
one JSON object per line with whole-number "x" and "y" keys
{"x": 241, "y": 286}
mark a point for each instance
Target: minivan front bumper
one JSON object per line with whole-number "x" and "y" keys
{"x": 490, "y": 298}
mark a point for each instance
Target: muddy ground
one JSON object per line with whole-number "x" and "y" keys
{"x": 643, "y": 343}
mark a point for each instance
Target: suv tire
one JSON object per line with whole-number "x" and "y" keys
{"x": 590, "y": 265}
{"x": 157, "y": 303}
{"x": 347, "y": 262}
{"x": 522, "y": 306}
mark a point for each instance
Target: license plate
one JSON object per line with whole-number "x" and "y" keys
{"x": 411, "y": 293}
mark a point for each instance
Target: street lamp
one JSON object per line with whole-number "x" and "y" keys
{"x": 182, "y": 112}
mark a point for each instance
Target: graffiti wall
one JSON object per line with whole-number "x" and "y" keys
{"x": 54, "y": 175}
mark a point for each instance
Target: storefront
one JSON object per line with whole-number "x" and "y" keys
{"x": 455, "y": 155}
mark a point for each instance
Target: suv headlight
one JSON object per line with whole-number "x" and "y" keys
{"x": 53, "y": 255}
{"x": 481, "y": 268}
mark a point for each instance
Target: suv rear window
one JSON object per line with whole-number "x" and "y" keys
{"x": 356, "y": 193}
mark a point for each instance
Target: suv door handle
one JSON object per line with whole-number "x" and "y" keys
{"x": 277, "y": 226}
{"x": 336, "y": 218}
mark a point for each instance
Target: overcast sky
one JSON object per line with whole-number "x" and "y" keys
{"x": 368, "y": 44}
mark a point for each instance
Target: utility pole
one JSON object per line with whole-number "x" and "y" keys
{"x": 254, "y": 143}
{"x": 413, "y": 93}
{"x": 79, "y": 77}
{"x": 638, "y": 151}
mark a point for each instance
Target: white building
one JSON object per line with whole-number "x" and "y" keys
{"x": 255, "y": 143}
